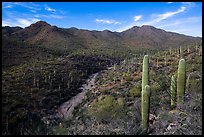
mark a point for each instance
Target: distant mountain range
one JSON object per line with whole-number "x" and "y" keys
{"x": 70, "y": 39}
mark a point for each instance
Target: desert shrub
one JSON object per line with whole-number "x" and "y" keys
{"x": 107, "y": 108}
{"x": 136, "y": 91}
{"x": 155, "y": 87}
{"x": 34, "y": 90}
{"x": 128, "y": 78}
{"x": 195, "y": 86}
{"x": 163, "y": 81}
{"x": 60, "y": 130}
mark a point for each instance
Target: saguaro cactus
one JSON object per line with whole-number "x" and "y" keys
{"x": 200, "y": 52}
{"x": 181, "y": 81}
{"x": 114, "y": 67}
{"x": 145, "y": 108}
{"x": 165, "y": 59}
{"x": 34, "y": 80}
{"x": 173, "y": 90}
{"x": 180, "y": 50}
{"x": 196, "y": 46}
{"x": 145, "y": 92}
{"x": 157, "y": 62}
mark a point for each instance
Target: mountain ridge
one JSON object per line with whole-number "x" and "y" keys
{"x": 71, "y": 39}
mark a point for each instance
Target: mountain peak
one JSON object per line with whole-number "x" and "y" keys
{"x": 40, "y": 24}
{"x": 147, "y": 27}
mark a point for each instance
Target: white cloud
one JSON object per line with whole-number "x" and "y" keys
{"x": 26, "y": 22}
{"x": 29, "y": 5}
{"x": 6, "y": 23}
{"x": 107, "y": 21}
{"x": 7, "y": 7}
{"x": 50, "y": 16}
{"x": 19, "y": 22}
{"x": 136, "y": 18}
{"x": 34, "y": 11}
{"x": 169, "y": 14}
{"x": 169, "y": 2}
{"x": 182, "y": 21}
{"x": 49, "y": 9}
{"x": 157, "y": 19}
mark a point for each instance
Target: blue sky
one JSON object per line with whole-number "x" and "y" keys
{"x": 180, "y": 17}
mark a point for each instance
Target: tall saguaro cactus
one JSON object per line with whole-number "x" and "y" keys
{"x": 145, "y": 108}
{"x": 181, "y": 81}
{"x": 173, "y": 90}
{"x": 145, "y": 93}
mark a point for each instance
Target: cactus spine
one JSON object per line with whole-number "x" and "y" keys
{"x": 145, "y": 93}
{"x": 181, "y": 81}
{"x": 145, "y": 108}
{"x": 173, "y": 90}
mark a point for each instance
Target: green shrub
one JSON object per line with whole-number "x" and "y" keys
{"x": 34, "y": 90}
{"x": 107, "y": 108}
{"x": 155, "y": 87}
{"x": 128, "y": 78}
{"x": 136, "y": 91}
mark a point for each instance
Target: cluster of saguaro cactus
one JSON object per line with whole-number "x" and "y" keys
{"x": 145, "y": 100}
{"x": 145, "y": 94}
{"x": 181, "y": 81}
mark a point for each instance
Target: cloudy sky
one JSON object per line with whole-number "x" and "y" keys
{"x": 180, "y": 17}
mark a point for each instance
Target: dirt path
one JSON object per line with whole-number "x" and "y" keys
{"x": 66, "y": 109}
